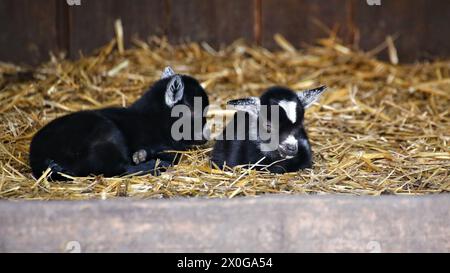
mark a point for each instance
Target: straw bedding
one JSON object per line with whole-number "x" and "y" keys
{"x": 381, "y": 128}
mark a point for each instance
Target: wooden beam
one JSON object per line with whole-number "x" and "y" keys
{"x": 28, "y": 31}
{"x": 332, "y": 223}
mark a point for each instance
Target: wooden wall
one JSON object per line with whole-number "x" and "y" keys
{"x": 29, "y": 29}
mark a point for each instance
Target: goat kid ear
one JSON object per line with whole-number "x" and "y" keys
{"x": 308, "y": 97}
{"x": 251, "y": 105}
{"x": 174, "y": 90}
{"x": 167, "y": 73}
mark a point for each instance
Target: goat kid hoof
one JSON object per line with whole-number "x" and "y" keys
{"x": 139, "y": 157}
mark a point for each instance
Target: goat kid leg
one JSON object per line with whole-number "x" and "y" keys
{"x": 140, "y": 157}
{"x": 143, "y": 155}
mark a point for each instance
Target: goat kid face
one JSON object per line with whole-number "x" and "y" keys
{"x": 188, "y": 103}
{"x": 279, "y": 113}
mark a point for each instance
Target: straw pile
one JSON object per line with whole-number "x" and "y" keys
{"x": 382, "y": 128}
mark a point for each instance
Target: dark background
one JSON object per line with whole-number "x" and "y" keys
{"x": 29, "y": 29}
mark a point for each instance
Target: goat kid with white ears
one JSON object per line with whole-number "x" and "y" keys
{"x": 292, "y": 151}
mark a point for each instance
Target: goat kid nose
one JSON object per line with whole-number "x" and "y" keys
{"x": 291, "y": 147}
{"x": 288, "y": 149}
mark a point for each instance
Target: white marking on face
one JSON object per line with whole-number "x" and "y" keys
{"x": 290, "y": 140}
{"x": 290, "y": 107}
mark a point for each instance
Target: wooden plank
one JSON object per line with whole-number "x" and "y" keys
{"x": 30, "y": 29}
{"x": 297, "y": 20}
{"x": 417, "y": 23}
{"x": 333, "y": 223}
{"x": 420, "y": 26}
{"x": 217, "y": 22}
{"x": 405, "y": 18}
{"x": 92, "y": 23}
{"x": 27, "y": 30}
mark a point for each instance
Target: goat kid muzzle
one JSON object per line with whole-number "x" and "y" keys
{"x": 288, "y": 149}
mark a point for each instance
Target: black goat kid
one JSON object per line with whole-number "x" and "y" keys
{"x": 275, "y": 143}
{"x": 120, "y": 141}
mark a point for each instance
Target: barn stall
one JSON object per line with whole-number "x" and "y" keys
{"x": 380, "y": 134}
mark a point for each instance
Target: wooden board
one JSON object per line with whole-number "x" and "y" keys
{"x": 420, "y": 27}
{"x": 299, "y": 20}
{"x": 271, "y": 223}
{"x": 215, "y": 21}
{"x": 92, "y": 23}
{"x": 28, "y": 30}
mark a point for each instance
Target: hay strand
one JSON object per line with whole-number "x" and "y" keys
{"x": 383, "y": 128}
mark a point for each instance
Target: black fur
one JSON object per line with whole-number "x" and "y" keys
{"x": 102, "y": 142}
{"x": 242, "y": 152}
